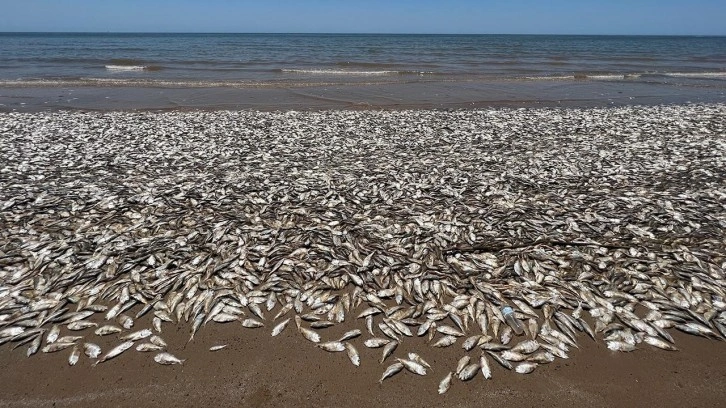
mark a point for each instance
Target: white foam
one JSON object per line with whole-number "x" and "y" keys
{"x": 125, "y": 67}
{"x": 696, "y": 74}
{"x": 337, "y": 72}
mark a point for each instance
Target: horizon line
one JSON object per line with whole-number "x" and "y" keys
{"x": 357, "y": 33}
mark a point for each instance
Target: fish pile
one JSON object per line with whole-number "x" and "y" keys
{"x": 607, "y": 223}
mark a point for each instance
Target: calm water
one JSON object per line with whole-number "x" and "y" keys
{"x": 299, "y": 59}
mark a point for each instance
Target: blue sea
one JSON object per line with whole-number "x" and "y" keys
{"x": 291, "y": 61}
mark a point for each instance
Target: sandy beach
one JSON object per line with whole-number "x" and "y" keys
{"x": 608, "y": 219}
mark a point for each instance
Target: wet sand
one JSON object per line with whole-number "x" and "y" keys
{"x": 258, "y": 370}
{"x": 415, "y": 95}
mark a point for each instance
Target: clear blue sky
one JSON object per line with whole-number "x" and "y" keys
{"x": 699, "y": 17}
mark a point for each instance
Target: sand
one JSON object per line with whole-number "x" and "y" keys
{"x": 258, "y": 370}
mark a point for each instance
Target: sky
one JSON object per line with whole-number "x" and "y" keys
{"x": 661, "y": 17}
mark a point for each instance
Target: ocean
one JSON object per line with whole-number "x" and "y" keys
{"x": 458, "y": 63}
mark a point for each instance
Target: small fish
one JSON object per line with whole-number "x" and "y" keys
{"x": 167, "y": 359}
{"x": 391, "y": 370}
{"x": 463, "y": 362}
{"x": 332, "y": 346}
{"x": 513, "y": 356}
{"x": 158, "y": 341}
{"x": 91, "y": 350}
{"x": 251, "y": 323}
{"x": 352, "y": 354}
{"x": 138, "y": 335}
{"x": 34, "y": 346}
{"x": 225, "y": 318}
{"x": 75, "y": 355}
{"x": 504, "y": 363}
{"x": 115, "y": 351}
{"x": 126, "y": 322}
{"x": 156, "y": 324}
{"x": 145, "y": 347}
{"x": 445, "y": 384}
{"x": 471, "y": 342}
{"x": 11, "y": 331}
{"x": 656, "y": 342}
{"x": 445, "y": 341}
{"x": 415, "y": 357}
{"x": 53, "y": 334}
{"x": 350, "y": 335}
{"x": 388, "y": 350}
{"x": 280, "y": 327}
{"x": 217, "y": 348}
{"x": 525, "y": 368}
{"x": 310, "y": 335}
{"x": 620, "y": 346}
{"x": 469, "y": 372}
{"x": 526, "y": 347}
{"x": 486, "y": 369}
{"x": 81, "y": 325}
{"x": 57, "y": 346}
{"x": 413, "y": 366}
{"x": 108, "y": 329}
{"x": 376, "y": 342}
{"x": 68, "y": 339}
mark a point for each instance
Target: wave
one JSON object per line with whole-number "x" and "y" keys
{"x": 708, "y": 75}
{"x": 342, "y": 72}
{"x": 133, "y": 67}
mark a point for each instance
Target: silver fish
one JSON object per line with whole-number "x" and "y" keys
{"x": 167, "y": 359}
{"x": 115, "y": 351}
{"x": 445, "y": 383}
{"x": 391, "y": 370}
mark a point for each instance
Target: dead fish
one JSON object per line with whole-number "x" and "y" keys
{"x": 145, "y": 347}
{"x": 526, "y": 347}
{"x": 225, "y": 318}
{"x": 11, "y": 331}
{"x": 68, "y": 339}
{"x": 310, "y": 335}
{"x": 138, "y": 335}
{"x": 57, "y": 346}
{"x": 126, "y": 322}
{"x": 251, "y": 323}
{"x": 620, "y": 346}
{"x": 450, "y": 331}
{"x": 463, "y": 362}
{"x": 486, "y": 369}
{"x": 217, "y": 348}
{"x": 445, "y": 341}
{"x": 471, "y": 342}
{"x": 75, "y": 355}
{"x": 376, "y": 342}
{"x": 469, "y": 372}
{"x": 53, "y": 334}
{"x": 391, "y": 370}
{"x": 158, "y": 341}
{"x": 413, "y": 366}
{"x": 321, "y": 324}
{"x": 445, "y": 383}
{"x": 542, "y": 357}
{"x": 91, "y": 350}
{"x": 350, "y": 335}
{"x": 167, "y": 359}
{"x": 106, "y": 330}
{"x": 415, "y": 357}
{"x": 332, "y": 346}
{"x": 504, "y": 363}
{"x": 352, "y": 354}
{"x": 81, "y": 325}
{"x": 280, "y": 327}
{"x": 525, "y": 368}
{"x": 512, "y": 356}
{"x": 388, "y": 350}
{"x": 34, "y": 346}
{"x": 656, "y": 342}
{"x": 115, "y": 351}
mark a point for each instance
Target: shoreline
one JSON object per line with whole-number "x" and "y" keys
{"x": 392, "y": 96}
{"x": 607, "y": 218}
